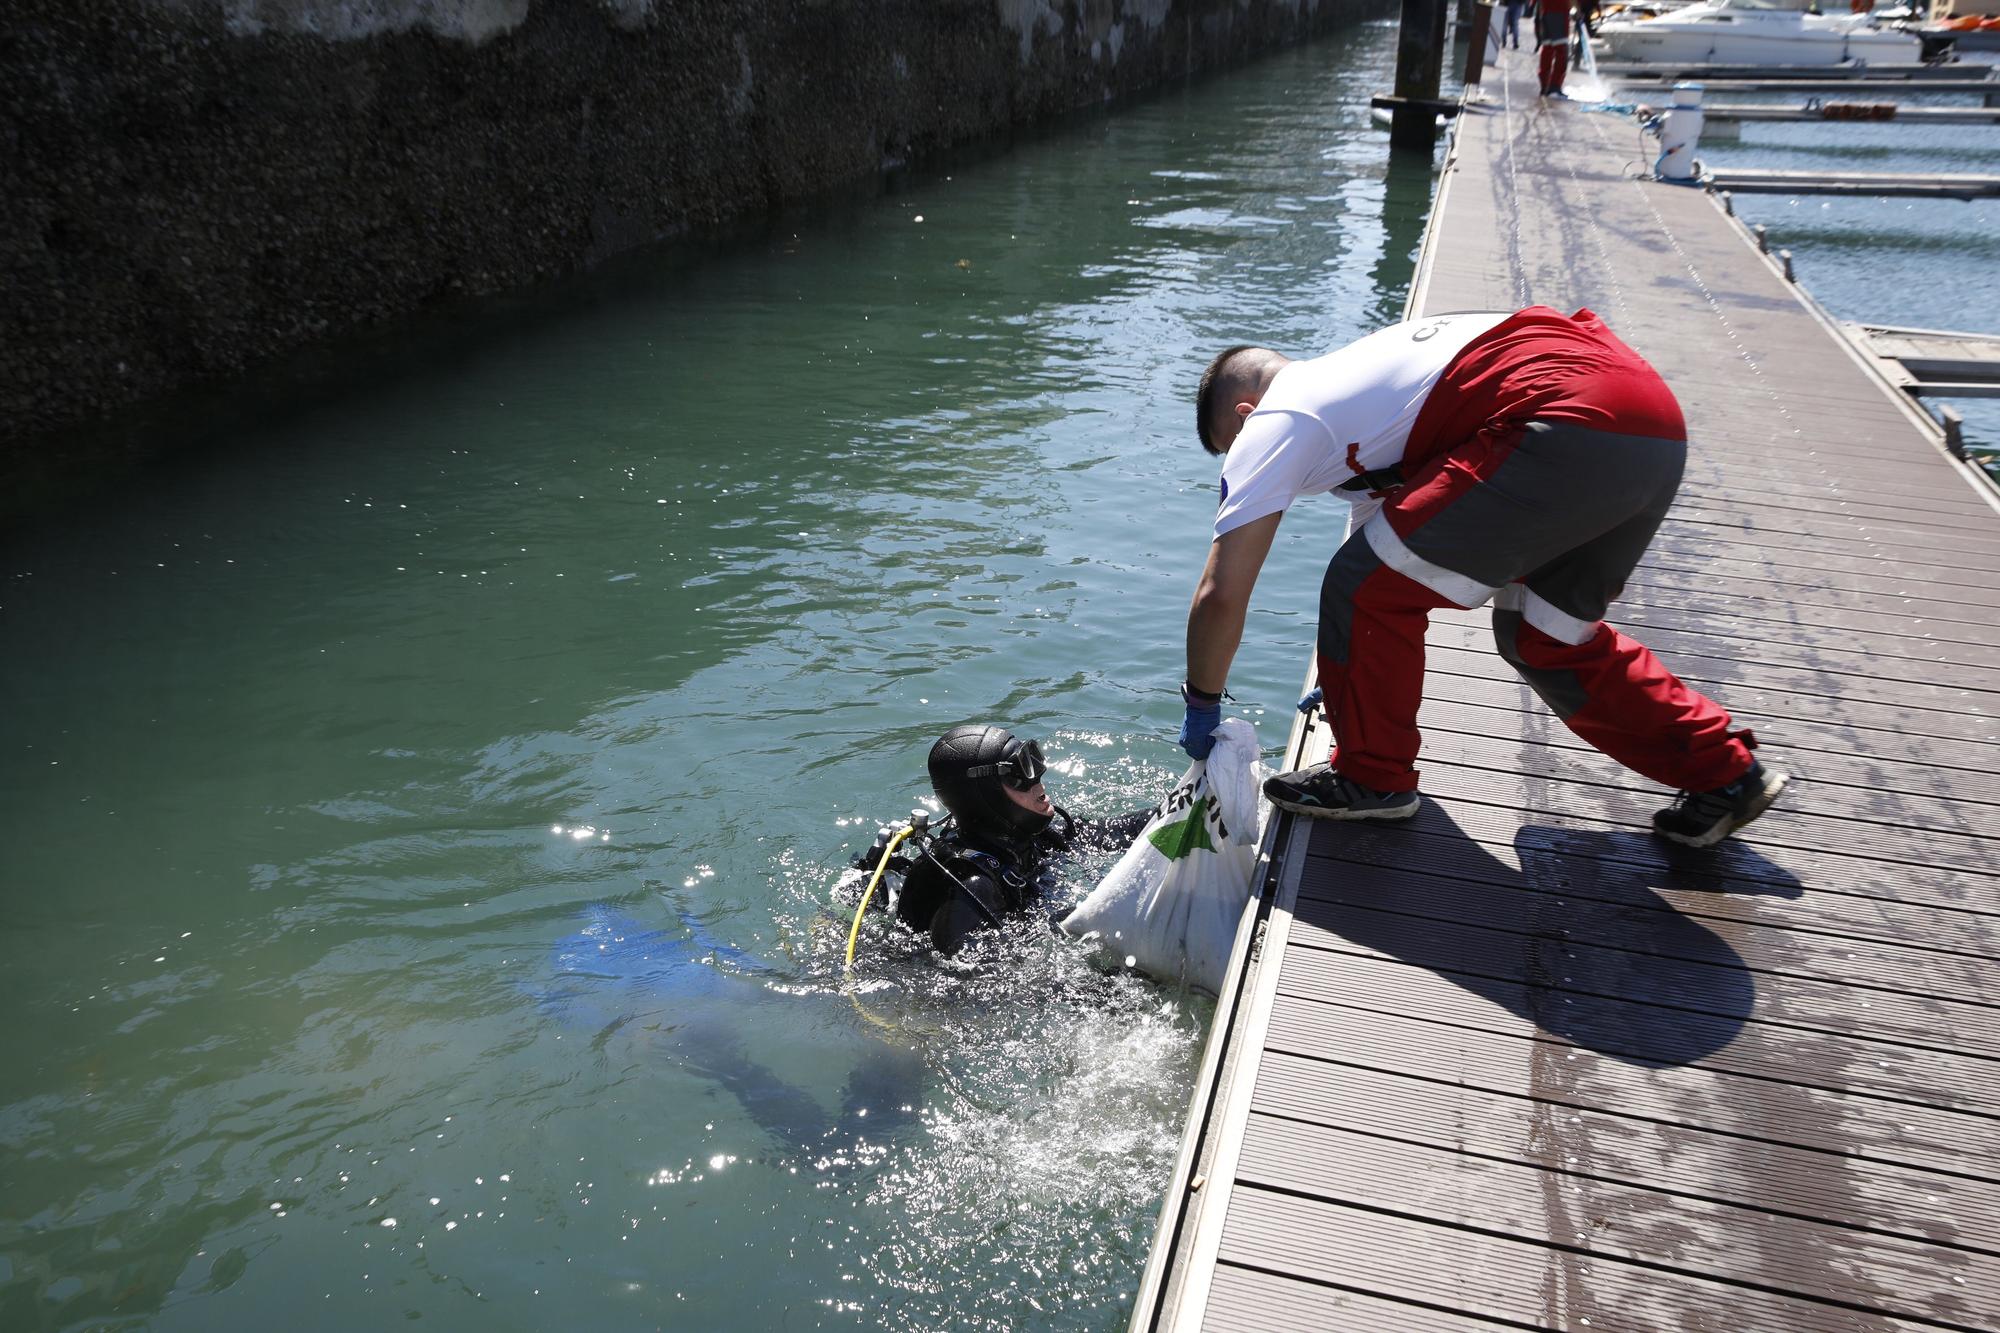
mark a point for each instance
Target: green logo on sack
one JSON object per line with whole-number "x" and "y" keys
{"x": 1184, "y": 837}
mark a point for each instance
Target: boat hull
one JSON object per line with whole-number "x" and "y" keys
{"x": 1662, "y": 41}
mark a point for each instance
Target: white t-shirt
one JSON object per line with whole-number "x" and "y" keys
{"x": 1325, "y": 421}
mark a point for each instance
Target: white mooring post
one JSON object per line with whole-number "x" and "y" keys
{"x": 1679, "y": 133}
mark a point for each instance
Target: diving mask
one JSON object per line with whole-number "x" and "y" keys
{"x": 1021, "y": 766}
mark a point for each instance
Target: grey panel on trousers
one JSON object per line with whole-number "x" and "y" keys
{"x": 1561, "y": 489}
{"x": 1562, "y": 691}
{"x": 1350, "y": 567}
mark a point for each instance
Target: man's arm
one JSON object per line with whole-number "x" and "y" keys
{"x": 1222, "y": 598}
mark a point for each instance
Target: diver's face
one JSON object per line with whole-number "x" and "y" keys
{"x": 1035, "y": 798}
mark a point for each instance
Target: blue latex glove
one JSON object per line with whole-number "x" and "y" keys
{"x": 1317, "y": 699}
{"x": 1198, "y": 727}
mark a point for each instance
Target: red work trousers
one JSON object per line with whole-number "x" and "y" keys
{"x": 1547, "y": 522}
{"x": 1552, "y": 30}
{"x": 1554, "y": 67}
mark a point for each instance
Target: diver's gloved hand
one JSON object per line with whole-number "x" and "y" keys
{"x": 1204, "y": 715}
{"x": 1315, "y": 699}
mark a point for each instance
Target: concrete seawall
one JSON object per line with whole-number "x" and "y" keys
{"x": 190, "y": 187}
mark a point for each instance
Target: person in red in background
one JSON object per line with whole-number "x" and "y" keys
{"x": 1524, "y": 459}
{"x": 1552, "y": 35}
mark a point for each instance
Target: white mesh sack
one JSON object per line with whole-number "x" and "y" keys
{"x": 1171, "y": 905}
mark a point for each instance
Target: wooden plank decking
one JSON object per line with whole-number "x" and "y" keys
{"x": 1518, "y": 1063}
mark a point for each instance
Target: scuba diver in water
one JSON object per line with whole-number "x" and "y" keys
{"x": 999, "y": 849}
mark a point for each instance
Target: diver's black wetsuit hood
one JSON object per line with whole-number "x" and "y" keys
{"x": 993, "y": 857}
{"x": 984, "y": 812}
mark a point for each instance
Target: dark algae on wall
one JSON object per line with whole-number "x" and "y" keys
{"x": 190, "y": 187}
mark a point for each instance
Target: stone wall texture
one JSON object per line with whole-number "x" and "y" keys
{"x": 190, "y": 187}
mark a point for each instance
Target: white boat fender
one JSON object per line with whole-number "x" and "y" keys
{"x": 1680, "y": 131}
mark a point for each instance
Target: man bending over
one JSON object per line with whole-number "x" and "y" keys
{"x": 1524, "y": 459}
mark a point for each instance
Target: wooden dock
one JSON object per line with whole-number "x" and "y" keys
{"x": 1939, "y": 362}
{"x": 1868, "y": 184}
{"x": 1518, "y": 1064}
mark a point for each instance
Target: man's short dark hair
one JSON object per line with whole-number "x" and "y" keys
{"x": 1204, "y": 397}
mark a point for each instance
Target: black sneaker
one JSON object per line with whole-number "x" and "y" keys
{"x": 1320, "y": 793}
{"x": 1704, "y": 818}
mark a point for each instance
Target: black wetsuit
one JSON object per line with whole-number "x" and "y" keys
{"x": 960, "y": 883}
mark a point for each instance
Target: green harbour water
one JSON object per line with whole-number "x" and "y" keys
{"x": 422, "y": 799}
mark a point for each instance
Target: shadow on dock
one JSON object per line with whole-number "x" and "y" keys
{"x": 1568, "y": 933}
